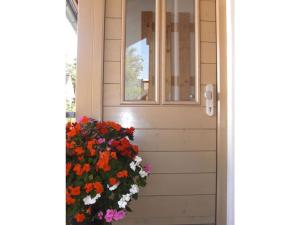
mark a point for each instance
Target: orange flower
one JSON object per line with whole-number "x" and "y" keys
{"x": 77, "y": 169}
{"x": 86, "y": 167}
{"x": 113, "y": 155}
{"x": 114, "y": 125}
{"x": 79, "y": 150}
{"x": 80, "y": 217}
{"x": 89, "y": 187}
{"x": 70, "y": 144}
{"x": 90, "y": 147}
{"x": 77, "y": 127}
{"x": 123, "y": 173}
{"x": 74, "y": 190}
{"x": 68, "y": 167}
{"x": 84, "y": 120}
{"x": 99, "y": 187}
{"x": 112, "y": 181}
{"x": 103, "y": 162}
{"x": 69, "y": 199}
{"x": 71, "y": 133}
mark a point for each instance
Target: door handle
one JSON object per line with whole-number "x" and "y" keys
{"x": 209, "y": 99}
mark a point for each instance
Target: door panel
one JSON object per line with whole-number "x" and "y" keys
{"x": 161, "y": 117}
{"x": 176, "y": 184}
{"x": 178, "y": 140}
{"x": 181, "y": 162}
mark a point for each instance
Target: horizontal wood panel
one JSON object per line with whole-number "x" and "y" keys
{"x": 182, "y": 206}
{"x": 113, "y": 8}
{"x": 205, "y": 220}
{"x": 112, "y": 50}
{"x": 112, "y": 72}
{"x": 161, "y": 117}
{"x": 181, "y": 162}
{"x": 207, "y": 11}
{"x": 180, "y": 184}
{"x": 208, "y": 31}
{"x": 208, "y": 73}
{"x": 112, "y": 95}
{"x": 208, "y": 52}
{"x": 113, "y": 28}
{"x": 176, "y": 140}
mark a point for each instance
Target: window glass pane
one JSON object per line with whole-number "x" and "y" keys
{"x": 140, "y": 50}
{"x": 180, "y": 51}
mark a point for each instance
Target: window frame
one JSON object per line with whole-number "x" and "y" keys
{"x": 156, "y": 100}
{"x": 160, "y": 54}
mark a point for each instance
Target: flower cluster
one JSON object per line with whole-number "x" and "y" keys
{"x": 103, "y": 171}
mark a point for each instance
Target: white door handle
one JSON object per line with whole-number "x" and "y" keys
{"x": 209, "y": 99}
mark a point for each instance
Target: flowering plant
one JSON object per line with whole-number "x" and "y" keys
{"x": 103, "y": 171}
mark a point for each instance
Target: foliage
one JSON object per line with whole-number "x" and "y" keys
{"x": 133, "y": 69}
{"x": 103, "y": 171}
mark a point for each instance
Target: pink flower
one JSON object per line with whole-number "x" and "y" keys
{"x": 148, "y": 168}
{"x": 119, "y": 215}
{"x": 100, "y": 215}
{"x": 110, "y": 141}
{"x": 101, "y": 140}
{"x": 109, "y": 215}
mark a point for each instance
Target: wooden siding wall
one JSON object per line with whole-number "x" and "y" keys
{"x": 179, "y": 141}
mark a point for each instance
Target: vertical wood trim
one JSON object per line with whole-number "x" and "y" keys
{"x": 221, "y": 213}
{"x": 89, "y": 84}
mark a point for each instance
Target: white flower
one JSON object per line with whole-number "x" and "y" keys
{"x": 114, "y": 187}
{"x": 134, "y": 189}
{"x": 143, "y": 173}
{"x": 90, "y": 201}
{"x": 122, "y": 203}
{"x": 132, "y": 165}
{"x": 124, "y": 200}
{"x": 126, "y": 197}
{"x": 138, "y": 160}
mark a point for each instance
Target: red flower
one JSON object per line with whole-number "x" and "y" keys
{"x": 123, "y": 173}
{"x": 70, "y": 144}
{"x": 114, "y": 125}
{"x": 84, "y": 120}
{"x": 112, "y": 181}
{"x": 86, "y": 167}
{"x": 74, "y": 191}
{"x": 89, "y": 187}
{"x": 90, "y": 147}
{"x": 69, "y": 199}
{"x": 129, "y": 131}
{"x": 98, "y": 187}
{"x": 77, "y": 169}
{"x": 71, "y": 133}
{"x": 80, "y": 217}
{"x": 135, "y": 148}
{"x": 68, "y": 168}
{"x": 79, "y": 150}
{"x": 113, "y": 155}
{"x": 103, "y": 162}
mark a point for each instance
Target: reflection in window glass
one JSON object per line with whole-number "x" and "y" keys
{"x": 180, "y": 51}
{"x": 140, "y": 50}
